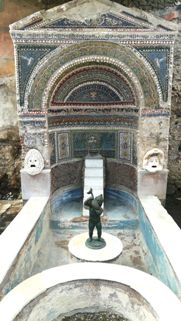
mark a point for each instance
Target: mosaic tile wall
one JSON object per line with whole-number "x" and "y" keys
{"x": 106, "y": 52}
{"x": 92, "y": 73}
{"x": 118, "y": 174}
{"x": 66, "y": 174}
{"x": 118, "y": 144}
{"x": 93, "y": 84}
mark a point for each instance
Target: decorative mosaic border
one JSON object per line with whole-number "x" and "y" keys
{"x": 114, "y": 144}
{"x": 125, "y": 146}
{"x": 69, "y": 37}
{"x": 75, "y": 62}
{"x": 63, "y": 146}
{"x": 108, "y": 20}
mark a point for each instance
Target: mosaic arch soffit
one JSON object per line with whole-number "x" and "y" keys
{"x": 93, "y": 92}
{"x": 92, "y": 14}
{"x": 86, "y": 61}
{"x": 108, "y": 53}
{"x": 30, "y": 57}
{"x": 106, "y": 81}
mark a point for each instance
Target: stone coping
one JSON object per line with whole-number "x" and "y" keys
{"x": 167, "y": 231}
{"x": 159, "y": 296}
{"x": 15, "y": 235}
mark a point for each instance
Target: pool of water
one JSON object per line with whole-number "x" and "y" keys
{"x": 65, "y": 221}
{"x": 60, "y": 218}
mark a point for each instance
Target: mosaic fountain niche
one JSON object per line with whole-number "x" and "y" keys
{"x": 93, "y": 77}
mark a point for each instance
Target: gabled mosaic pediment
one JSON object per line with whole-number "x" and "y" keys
{"x": 92, "y": 14}
{"x": 108, "y": 20}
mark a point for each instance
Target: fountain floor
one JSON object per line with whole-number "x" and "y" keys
{"x": 120, "y": 220}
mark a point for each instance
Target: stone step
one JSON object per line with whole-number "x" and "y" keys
{"x": 93, "y": 181}
{"x": 93, "y": 163}
{"x": 93, "y": 178}
{"x": 94, "y": 172}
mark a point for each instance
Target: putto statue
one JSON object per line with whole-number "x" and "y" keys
{"x": 95, "y": 210}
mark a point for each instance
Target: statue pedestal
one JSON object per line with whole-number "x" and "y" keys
{"x": 95, "y": 244}
{"x": 77, "y": 247}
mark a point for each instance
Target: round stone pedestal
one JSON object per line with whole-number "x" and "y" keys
{"x": 95, "y": 244}
{"x": 77, "y": 247}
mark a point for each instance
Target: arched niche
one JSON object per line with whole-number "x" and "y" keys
{"x": 122, "y": 57}
{"x": 71, "y": 62}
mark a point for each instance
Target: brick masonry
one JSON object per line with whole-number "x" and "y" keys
{"x": 64, "y": 174}
{"x": 121, "y": 174}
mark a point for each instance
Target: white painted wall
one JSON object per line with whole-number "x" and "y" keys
{"x": 163, "y": 301}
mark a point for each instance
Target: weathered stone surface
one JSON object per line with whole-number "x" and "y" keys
{"x": 8, "y": 115}
{"x": 89, "y": 296}
{"x": 4, "y": 208}
{"x": 9, "y": 161}
{"x": 9, "y": 138}
{"x": 8, "y": 210}
{"x": 174, "y": 164}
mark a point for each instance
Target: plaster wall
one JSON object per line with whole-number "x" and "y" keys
{"x": 161, "y": 263}
{"x": 89, "y": 296}
{"x": 18, "y": 263}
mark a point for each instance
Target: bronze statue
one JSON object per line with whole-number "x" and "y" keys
{"x": 95, "y": 211}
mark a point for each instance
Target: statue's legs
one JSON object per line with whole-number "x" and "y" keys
{"x": 99, "y": 229}
{"x": 91, "y": 229}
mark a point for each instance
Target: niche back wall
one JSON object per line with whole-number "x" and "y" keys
{"x": 72, "y": 144}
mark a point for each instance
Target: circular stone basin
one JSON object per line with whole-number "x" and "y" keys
{"x": 86, "y": 287}
{"x": 77, "y": 247}
{"x": 96, "y": 316}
